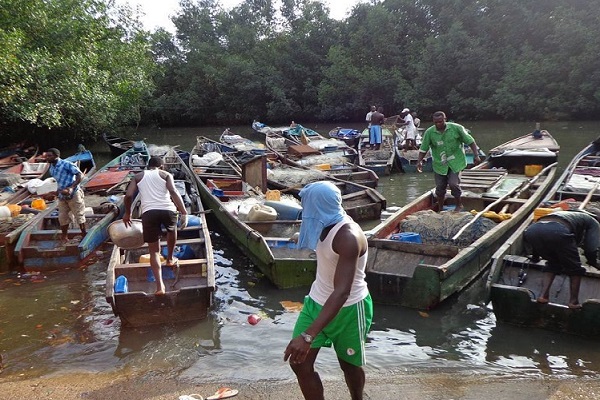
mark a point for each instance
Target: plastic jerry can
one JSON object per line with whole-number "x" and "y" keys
{"x": 121, "y": 284}
{"x": 260, "y": 212}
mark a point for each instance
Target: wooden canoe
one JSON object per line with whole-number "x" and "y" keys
{"x": 422, "y": 275}
{"x": 515, "y": 282}
{"x": 117, "y": 145}
{"x": 339, "y": 162}
{"x": 528, "y": 142}
{"x": 189, "y": 288}
{"x": 39, "y": 247}
{"x": 10, "y": 232}
{"x": 267, "y": 244}
{"x": 360, "y": 202}
{"x": 380, "y": 161}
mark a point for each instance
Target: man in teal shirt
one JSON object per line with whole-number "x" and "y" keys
{"x": 446, "y": 141}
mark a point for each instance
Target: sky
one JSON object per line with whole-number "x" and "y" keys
{"x": 157, "y": 12}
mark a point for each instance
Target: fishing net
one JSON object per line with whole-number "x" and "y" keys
{"x": 439, "y": 228}
{"x": 277, "y": 144}
{"x": 9, "y": 179}
{"x": 323, "y": 159}
{"x": 379, "y": 155}
{"x": 11, "y": 223}
{"x": 292, "y": 177}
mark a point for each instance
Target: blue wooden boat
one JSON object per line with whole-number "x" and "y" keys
{"x": 39, "y": 247}
{"x": 189, "y": 288}
{"x": 347, "y": 135}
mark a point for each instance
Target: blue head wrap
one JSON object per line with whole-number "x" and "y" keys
{"x": 321, "y": 207}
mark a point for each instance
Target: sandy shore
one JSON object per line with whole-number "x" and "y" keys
{"x": 103, "y": 386}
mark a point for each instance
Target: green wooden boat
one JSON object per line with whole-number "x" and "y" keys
{"x": 515, "y": 282}
{"x": 267, "y": 243}
{"x": 403, "y": 272}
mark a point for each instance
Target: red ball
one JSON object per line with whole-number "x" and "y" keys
{"x": 253, "y": 319}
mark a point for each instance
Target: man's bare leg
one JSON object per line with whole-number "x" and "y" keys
{"x": 355, "y": 379}
{"x": 156, "y": 268}
{"x": 309, "y": 379}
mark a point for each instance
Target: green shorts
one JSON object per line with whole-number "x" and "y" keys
{"x": 347, "y": 331}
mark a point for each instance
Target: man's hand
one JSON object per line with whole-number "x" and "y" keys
{"x": 296, "y": 350}
{"x": 183, "y": 221}
{"x": 476, "y": 160}
{"x": 127, "y": 220}
{"x": 420, "y": 166}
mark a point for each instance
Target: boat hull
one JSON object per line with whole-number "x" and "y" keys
{"x": 515, "y": 282}
{"x": 423, "y": 275}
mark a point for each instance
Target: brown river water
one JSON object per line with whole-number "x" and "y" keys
{"x": 62, "y": 323}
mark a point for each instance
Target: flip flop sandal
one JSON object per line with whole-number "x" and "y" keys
{"x": 223, "y": 393}
{"x": 193, "y": 396}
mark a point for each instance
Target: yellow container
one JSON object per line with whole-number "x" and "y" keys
{"x": 323, "y": 167}
{"x": 145, "y": 259}
{"x": 541, "y": 211}
{"x": 15, "y": 209}
{"x": 274, "y": 195}
{"x": 38, "y": 204}
{"x": 533, "y": 169}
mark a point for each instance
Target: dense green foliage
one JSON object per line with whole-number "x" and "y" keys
{"x": 84, "y": 65}
{"x": 512, "y": 59}
{"x": 76, "y": 65}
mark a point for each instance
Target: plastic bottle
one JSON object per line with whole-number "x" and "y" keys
{"x": 121, "y": 284}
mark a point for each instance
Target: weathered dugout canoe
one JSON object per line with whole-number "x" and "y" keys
{"x": 379, "y": 161}
{"x": 423, "y": 275}
{"x": 8, "y": 238}
{"x": 339, "y": 163}
{"x": 515, "y": 282}
{"x": 266, "y": 243}
{"x": 189, "y": 288}
{"x": 39, "y": 247}
{"x": 360, "y": 202}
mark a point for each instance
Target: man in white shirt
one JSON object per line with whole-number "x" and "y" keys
{"x": 160, "y": 201}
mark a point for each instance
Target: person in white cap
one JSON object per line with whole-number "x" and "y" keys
{"x": 410, "y": 137}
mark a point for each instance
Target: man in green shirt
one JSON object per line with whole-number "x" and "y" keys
{"x": 446, "y": 141}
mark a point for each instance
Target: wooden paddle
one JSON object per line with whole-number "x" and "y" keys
{"x": 589, "y": 196}
{"x": 517, "y": 189}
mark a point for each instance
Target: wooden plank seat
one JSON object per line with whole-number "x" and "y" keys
{"x": 192, "y": 261}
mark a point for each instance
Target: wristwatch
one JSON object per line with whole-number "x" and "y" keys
{"x": 307, "y": 338}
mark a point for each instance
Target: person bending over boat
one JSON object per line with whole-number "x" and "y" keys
{"x": 338, "y": 309}
{"x": 375, "y": 134}
{"x": 70, "y": 195}
{"x": 446, "y": 141}
{"x": 160, "y": 202}
{"x": 555, "y": 237}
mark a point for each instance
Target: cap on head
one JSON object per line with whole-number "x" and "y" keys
{"x": 406, "y": 110}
